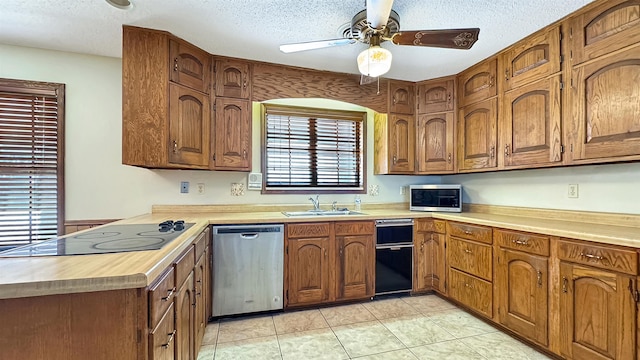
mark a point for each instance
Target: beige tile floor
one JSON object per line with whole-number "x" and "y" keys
{"x": 418, "y": 327}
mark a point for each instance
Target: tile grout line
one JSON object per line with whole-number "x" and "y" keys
{"x": 334, "y": 334}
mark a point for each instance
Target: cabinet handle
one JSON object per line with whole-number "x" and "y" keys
{"x": 171, "y": 336}
{"x": 539, "y": 278}
{"x": 468, "y": 232}
{"x": 449, "y": 158}
{"x": 175, "y": 64}
{"x": 506, "y": 150}
{"x": 492, "y": 151}
{"x": 341, "y": 251}
{"x": 394, "y": 100}
{"x": 591, "y": 256}
{"x": 244, "y": 154}
{"x": 325, "y": 252}
{"x": 468, "y": 286}
{"x": 524, "y": 242}
{"x": 449, "y": 97}
{"x": 175, "y": 147}
{"x": 564, "y": 284}
{"x": 395, "y": 159}
{"x": 506, "y": 74}
{"x": 468, "y": 251}
{"x": 169, "y": 294}
{"x": 491, "y": 80}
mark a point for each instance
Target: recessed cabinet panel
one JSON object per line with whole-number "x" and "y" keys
{"x": 531, "y": 130}
{"x": 401, "y": 96}
{"x": 477, "y": 83}
{"x": 190, "y": 66}
{"x": 435, "y": 96}
{"x": 477, "y": 136}
{"x": 402, "y": 143}
{"x": 435, "y": 150}
{"x": 233, "y": 79}
{"x": 308, "y": 264}
{"x": 606, "y": 107}
{"x": 189, "y": 124}
{"x": 531, "y": 59}
{"x": 604, "y": 28}
{"x": 232, "y": 149}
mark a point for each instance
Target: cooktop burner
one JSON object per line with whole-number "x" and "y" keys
{"x": 108, "y": 239}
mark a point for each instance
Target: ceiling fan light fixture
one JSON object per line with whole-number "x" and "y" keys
{"x": 374, "y": 61}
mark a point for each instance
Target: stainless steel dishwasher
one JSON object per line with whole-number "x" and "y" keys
{"x": 247, "y": 268}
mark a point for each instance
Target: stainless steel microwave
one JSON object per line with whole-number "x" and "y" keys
{"x": 437, "y": 197}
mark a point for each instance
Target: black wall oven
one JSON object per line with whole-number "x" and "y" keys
{"x": 394, "y": 256}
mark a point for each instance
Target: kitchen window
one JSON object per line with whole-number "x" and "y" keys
{"x": 310, "y": 150}
{"x": 31, "y": 161}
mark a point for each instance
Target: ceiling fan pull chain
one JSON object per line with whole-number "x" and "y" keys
{"x": 378, "y": 80}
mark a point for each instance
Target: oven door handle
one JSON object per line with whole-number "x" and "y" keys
{"x": 393, "y": 247}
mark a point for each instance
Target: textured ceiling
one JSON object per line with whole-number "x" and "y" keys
{"x": 253, "y": 29}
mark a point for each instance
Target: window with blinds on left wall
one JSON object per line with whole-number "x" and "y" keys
{"x": 31, "y": 161}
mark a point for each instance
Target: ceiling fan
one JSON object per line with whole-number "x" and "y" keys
{"x": 379, "y": 23}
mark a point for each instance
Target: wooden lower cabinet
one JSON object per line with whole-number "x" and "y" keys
{"x": 429, "y": 256}
{"x": 308, "y": 271}
{"x": 161, "y": 339}
{"x": 471, "y": 291}
{"x": 521, "y": 291}
{"x": 597, "y": 313}
{"x": 200, "y": 316}
{"x": 355, "y": 267}
{"x": 185, "y": 320}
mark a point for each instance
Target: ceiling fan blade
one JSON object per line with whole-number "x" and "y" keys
{"x": 449, "y": 38}
{"x": 312, "y": 45}
{"x": 378, "y": 13}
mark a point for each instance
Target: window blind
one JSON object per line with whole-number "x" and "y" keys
{"x": 313, "y": 149}
{"x": 30, "y": 161}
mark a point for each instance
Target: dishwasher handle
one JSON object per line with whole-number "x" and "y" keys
{"x": 249, "y": 236}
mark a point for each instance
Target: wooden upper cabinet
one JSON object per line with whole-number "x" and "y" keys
{"x": 355, "y": 266}
{"x": 435, "y": 150}
{"x": 436, "y": 96}
{"x": 190, "y": 66}
{"x": 530, "y": 128}
{"x": 477, "y": 136}
{"x": 233, "y": 79}
{"x": 605, "y": 100}
{"x": 401, "y": 96}
{"x": 477, "y": 83}
{"x": 602, "y": 28}
{"x": 394, "y": 144}
{"x": 531, "y": 59}
{"x": 231, "y": 149}
{"x": 597, "y": 313}
{"x": 189, "y": 126}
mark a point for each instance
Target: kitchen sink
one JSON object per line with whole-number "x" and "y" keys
{"x": 322, "y": 213}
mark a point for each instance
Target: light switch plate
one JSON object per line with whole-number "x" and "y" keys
{"x": 254, "y": 181}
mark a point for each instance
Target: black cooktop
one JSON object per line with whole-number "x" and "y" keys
{"x": 107, "y": 239}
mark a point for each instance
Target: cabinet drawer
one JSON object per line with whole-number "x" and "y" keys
{"x": 355, "y": 228}
{"x": 161, "y": 296}
{"x": 529, "y": 243}
{"x": 471, "y": 291}
{"x": 471, "y": 232}
{"x": 601, "y": 256}
{"x": 201, "y": 243}
{"x": 162, "y": 338}
{"x": 308, "y": 230}
{"x": 470, "y": 257}
{"x": 184, "y": 265}
{"x": 438, "y": 226}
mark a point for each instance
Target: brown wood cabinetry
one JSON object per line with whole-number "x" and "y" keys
{"x": 329, "y": 261}
{"x": 477, "y": 136}
{"x": 521, "y": 283}
{"x": 401, "y": 97}
{"x": 166, "y": 115}
{"x": 435, "y": 150}
{"x": 429, "y": 270}
{"x": 603, "y": 27}
{"x": 604, "y": 100}
{"x": 233, "y": 79}
{"x": 161, "y": 338}
{"x": 185, "y": 320}
{"x": 394, "y": 144}
{"x": 231, "y": 147}
{"x": 436, "y": 96}
{"x": 477, "y": 83}
{"x": 530, "y": 128}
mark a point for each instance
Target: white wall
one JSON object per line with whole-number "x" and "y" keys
{"x": 98, "y": 186}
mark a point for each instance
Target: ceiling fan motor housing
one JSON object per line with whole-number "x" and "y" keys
{"x": 361, "y": 30}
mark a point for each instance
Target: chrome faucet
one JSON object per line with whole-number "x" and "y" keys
{"x": 334, "y": 206}
{"x": 316, "y": 203}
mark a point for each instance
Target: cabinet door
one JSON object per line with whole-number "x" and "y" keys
{"x": 162, "y": 338}
{"x": 308, "y": 272}
{"x": 233, "y": 79}
{"x": 355, "y": 267}
{"x": 190, "y": 66}
{"x": 532, "y": 59}
{"x": 530, "y": 127}
{"x": 232, "y": 135}
{"x": 402, "y": 143}
{"x": 471, "y": 291}
{"x": 435, "y": 96}
{"x": 429, "y": 262}
{"x": 597, "y": 313}
{"x": 477, "y": 83}
{"x": 200, "y": 319}
{"x": 208, "y": 273}
{"x": 477, "y": 136}
{"x": 521, "y": 292}
{"x": 189, "y": 124}
{"x": 185, "y": 320}
{"x": 435, "y": 150}
{"x": 606, "y": 107}
{"x": 604, "y": 28}
{"x": 401, "y": 96}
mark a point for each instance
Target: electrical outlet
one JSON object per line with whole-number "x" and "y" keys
{"x": 200, "y": 188}
{"x": 184, "y": 187}
{"x": 573, "y": 191}
{"x": 403, "y": 190}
